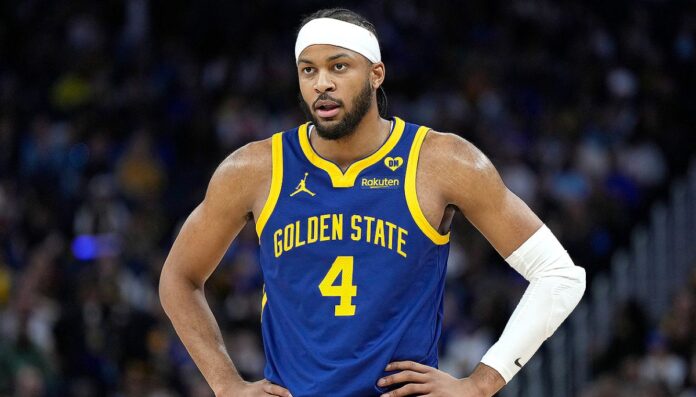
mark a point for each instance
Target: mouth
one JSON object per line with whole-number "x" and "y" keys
{"x": 326, "y": 109}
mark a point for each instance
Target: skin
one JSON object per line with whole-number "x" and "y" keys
{"x": 341, "y": 74}
{"x": 239, "y": 188}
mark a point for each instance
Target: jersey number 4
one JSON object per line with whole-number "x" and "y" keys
{"x": 346, "y": 290}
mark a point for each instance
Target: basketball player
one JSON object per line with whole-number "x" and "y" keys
{"x": 352, "y": 212}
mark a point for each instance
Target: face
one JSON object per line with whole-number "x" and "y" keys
{"x": 337, "y": 88}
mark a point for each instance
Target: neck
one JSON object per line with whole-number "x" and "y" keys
{"x": 369, "y": 135}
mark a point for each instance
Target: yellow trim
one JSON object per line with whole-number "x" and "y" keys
{"x": 264, "y": 299}
{"x": 276, "y": 182}
{"x": 412, "y": 197}
{"x": 347, "y": 179}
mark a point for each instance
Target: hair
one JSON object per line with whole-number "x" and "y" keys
{"x": 345, "y": 15}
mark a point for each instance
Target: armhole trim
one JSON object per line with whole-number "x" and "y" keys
{"x": 411, "y": 195}
{"x": 276, "y": 182}
{"x": 264, "y": 299}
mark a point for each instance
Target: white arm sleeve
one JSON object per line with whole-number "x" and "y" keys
{"x": 555, "y": 288}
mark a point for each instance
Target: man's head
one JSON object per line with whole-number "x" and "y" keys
{"x": 340, "y": 71}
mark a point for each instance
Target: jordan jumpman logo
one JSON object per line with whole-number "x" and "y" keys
{"x": 301, "y": 187}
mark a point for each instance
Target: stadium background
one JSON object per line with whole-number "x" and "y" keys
{"x": 113, "y": 115}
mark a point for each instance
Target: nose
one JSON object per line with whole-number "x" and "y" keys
{"x": 323, "y": 83}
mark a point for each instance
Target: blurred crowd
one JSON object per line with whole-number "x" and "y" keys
{"x": 650, "y": 360}
{"x": 114, "y": 114}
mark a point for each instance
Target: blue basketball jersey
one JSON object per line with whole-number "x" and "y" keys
{"x": 353, "y": 272}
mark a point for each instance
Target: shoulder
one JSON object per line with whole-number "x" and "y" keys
{"x": 457, "y": 165}
{"x": 245, "y": 174}
{"x": 253, "y": 157}
{"x": 450, "y": 151}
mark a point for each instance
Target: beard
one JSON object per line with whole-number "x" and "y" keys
{"x": 346, "y": 126}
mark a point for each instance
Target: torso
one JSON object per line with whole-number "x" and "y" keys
{"x": 353, "y": 265}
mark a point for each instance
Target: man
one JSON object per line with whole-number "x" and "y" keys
{"x": 352, "y": 212}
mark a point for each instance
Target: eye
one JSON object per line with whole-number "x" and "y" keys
{"x": 340, "y": 66}
{"x": 307, "y": 69}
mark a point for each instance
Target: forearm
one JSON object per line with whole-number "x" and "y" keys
{"x": 556, "y": 286}
{"x": 189, "y": 312}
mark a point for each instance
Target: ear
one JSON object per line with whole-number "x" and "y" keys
{"x": 377, "y": 74}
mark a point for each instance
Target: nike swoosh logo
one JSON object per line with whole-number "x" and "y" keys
{"x": 517, "y": 362}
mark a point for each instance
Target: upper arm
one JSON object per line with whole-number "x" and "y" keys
{"x": 234, "y": 192}
{"x": 467, "y": 179}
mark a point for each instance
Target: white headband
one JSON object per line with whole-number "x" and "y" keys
{"x": 339, "y": 33}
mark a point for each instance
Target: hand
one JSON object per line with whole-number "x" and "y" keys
{"x": 261, "y": 388}
{"x": 428, "y": 381}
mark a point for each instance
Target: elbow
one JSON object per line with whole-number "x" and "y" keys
{"x": 567, "y": 289}
{"x": 580, "y": 280}
{"x": 583, "y": 280}
{"x": 169, "y": 288}
{"x": 570, "y": 288}
{"x": 163, "y": 288}
{"x": 571, "y": 279}
{"x": 174, "y": 286}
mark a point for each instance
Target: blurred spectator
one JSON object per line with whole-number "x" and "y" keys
{"x": 679, "y": 324}
{"x": 659, "y": 359}
{"x": 102, "y": 212}
{"x": 629, "y": 335}
{"x": 141, "y": 174}
{"x": 663, "y": 366}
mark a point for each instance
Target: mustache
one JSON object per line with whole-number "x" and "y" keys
{"x": 326, "y": 97}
